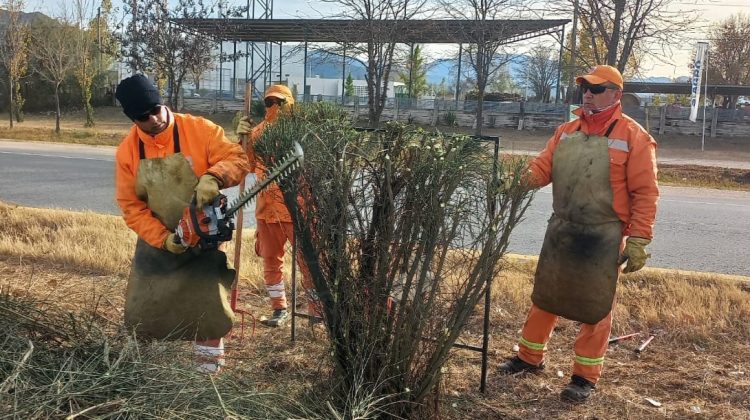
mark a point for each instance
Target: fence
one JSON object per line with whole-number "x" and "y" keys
{"x": 665, "y": 119}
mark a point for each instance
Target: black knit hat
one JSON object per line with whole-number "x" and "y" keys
{"x": 137, "y": 95}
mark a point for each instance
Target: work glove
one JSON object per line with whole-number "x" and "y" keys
{"x": 635, "y": 254}
{"x": 206, "y": 190}
{"x": 244, "y": 126}
{"x": 171, "y": 246}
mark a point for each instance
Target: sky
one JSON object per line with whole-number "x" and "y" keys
{"x": 667, "y": 66}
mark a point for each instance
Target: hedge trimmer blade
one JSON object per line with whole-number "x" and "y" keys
{"x": 279, "y": 171}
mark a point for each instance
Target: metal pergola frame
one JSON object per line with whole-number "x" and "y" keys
{"x": 408, "y": 32}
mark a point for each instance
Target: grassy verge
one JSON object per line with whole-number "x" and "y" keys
{"x": 705, "y": 177}
{"x": 63, "y": 285}
{"x": 76, "y": 136}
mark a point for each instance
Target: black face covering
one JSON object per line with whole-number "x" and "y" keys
{"x": 137, "y": 95}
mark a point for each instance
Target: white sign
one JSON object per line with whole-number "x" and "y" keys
{"x": 695, "y": 91}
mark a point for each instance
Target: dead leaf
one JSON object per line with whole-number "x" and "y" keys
{"x": 653, "y": 402}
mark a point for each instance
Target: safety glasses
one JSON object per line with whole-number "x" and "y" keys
{"x": 594, "y": 89}
{"x": 271, "y": 101}
{"x": 154, "y": 111}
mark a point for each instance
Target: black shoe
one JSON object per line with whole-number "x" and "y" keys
{"x": 516, "y": 365}
{"x": 278, "y": 319}
{"x": 578, "y": 390}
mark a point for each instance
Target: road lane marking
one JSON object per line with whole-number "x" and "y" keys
{"x": 56, "y": 156}
{"x": 709, "y": 203}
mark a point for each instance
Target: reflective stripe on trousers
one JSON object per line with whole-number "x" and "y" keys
{"x": 590, "y": 346}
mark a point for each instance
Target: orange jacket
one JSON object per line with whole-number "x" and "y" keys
{"x": 632, "y": 156}
{"x": 203, "y": 144}
{"x": 270, "y": 203}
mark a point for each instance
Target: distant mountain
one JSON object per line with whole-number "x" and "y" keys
{"x": 25, "y": 17}
{"x": 446, "y": 68}
{"x": 330, "y": 66}
{"x": 656, "y": 79}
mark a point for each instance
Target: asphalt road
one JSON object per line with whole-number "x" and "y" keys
{"x": 696, "y": 229}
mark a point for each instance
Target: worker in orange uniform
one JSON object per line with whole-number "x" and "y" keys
{"x": 274, "y": 223}
{"x": 164, "y": 161}
{"x": 602, "y": 167}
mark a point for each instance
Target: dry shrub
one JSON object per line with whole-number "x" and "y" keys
{"x": 402, "y": 231}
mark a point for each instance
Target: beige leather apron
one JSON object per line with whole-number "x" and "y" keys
{"x": 175, "y": 296}
{"x": 577, "y": 272}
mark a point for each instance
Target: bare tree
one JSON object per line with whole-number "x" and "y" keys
{"x": 14, "y": 56}
{"x": 617, "y": 30}
{"x": 53, "y": 51}
{"x": 539, "y": 71}
{"x": 166, "y": 50}
{"x": 484, "y": 54}
{"x": 730, "y": 54}
{"x": 85, "y": 52}
{"x": 381, "y": 43}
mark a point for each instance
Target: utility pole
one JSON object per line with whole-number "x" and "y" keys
{"x": 573, "y": 56}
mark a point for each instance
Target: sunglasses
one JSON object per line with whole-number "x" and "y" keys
{"x": 154, "y": 111}
{"x": 269, "y": 102}
{"x": 594, "y": 89}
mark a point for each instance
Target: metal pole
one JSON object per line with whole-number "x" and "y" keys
{"x": 559, "y": 64}
{"x": 269, "y": 49}
{"x": 488, "y": 291}
{"x": 572, "y": 65}
{"x": 221, "y": 57}
{"x": 221, "y": 68}
{"x": 411, "y": 71}
{"x": 247, "y": 49}
{"x": 281, "y": 73}
{"x": 458, "y": 74}
{"x": 343, "y": 76}
{"x": 304, "y": 77}
{"x": 294, "y": 284}
{"x": 234, "y": 71}
{"x": 705, "y": 96}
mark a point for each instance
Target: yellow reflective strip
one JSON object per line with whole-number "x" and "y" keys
{"x": 589, "y": 361}
{"x": 531, "y": 345}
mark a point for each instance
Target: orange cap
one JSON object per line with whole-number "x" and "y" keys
{"x": 281, "y": 92}
{"x": 602, "y": 74}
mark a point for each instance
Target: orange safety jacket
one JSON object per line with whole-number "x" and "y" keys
{"x": 270, "y": 205}
{"x": 201, "y": 142}
{"x": 632, "y": 157}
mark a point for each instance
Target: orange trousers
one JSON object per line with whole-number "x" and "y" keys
{"x": 270, "y": 239}
{"x": 590, "y": 346}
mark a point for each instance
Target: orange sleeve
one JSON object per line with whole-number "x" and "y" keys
{"x": 227, "y": 160}
{"x": 642, "y": 185}
{"x": 135, "y": 211}
{"x": 540, "y": 169}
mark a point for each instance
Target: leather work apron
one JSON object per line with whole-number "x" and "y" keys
{"x": 172, "y": 296}
{"x": 577, "y": 272}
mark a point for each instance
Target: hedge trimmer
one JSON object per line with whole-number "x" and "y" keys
{"x": 208, "y": 226}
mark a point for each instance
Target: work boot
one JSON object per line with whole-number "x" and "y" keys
{"x": 278, "y": 319}
{"x": 578, "y": 390}
{"x": 516, "y": 365}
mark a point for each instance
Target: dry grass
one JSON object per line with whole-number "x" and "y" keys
{"x": 705, "y": 177}
{"x": 697, "y": 362}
